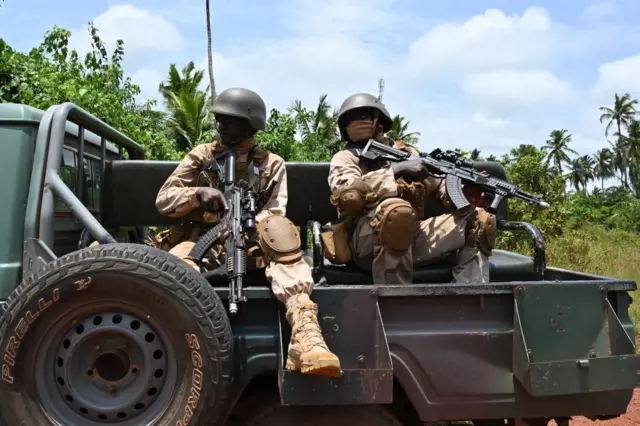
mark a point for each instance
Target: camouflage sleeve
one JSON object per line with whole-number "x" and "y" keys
{"x": 344, "y": 170}
{"x": 277, "y": 202}
{"x": 177, "y": 197}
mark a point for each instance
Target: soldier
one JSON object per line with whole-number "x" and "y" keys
{"x": 383, "y": 228}
{"x": 239, "y": 114}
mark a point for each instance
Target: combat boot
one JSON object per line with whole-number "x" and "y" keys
{"x": 308, "y": 352}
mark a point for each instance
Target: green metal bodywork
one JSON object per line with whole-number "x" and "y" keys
{"x": 19, "y": 126}
{"x": 555, "y": 343}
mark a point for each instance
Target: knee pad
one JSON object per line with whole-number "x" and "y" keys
{"x": 279, "y": 239}
{"x": 395, "y": 223}
{"x": 482, "y": 231}
{"x": 354, "y": 198}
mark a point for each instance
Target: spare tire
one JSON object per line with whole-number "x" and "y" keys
{"x": 119, "y": 334}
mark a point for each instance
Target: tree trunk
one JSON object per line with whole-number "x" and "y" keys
{"x": 212, "y": 82}
{"x": 624, "y": 166}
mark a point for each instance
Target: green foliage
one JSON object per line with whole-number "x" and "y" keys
{"x": 279, "y": 135}
{"x": 525, "y": 166}
{"x": 52, "y": 73}
{"x": 189, "y": 120}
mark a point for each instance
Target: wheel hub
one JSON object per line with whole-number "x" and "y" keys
{"x": 110, "y": 367}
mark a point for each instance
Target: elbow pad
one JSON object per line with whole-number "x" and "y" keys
{"x": 354, "y": 198}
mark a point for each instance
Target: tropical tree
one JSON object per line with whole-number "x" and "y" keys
{"x": 318, "y": 130}
{"x": 557, "y": 147}
{"x": 475, "y": 155}
{"x": 581, "y": 172}
{"x": 632, "y": 141}
{"x": 400, "y": 130}
{"x": 622, "y": 114}
{"x": 603, "y": 168}
{"x": 620, "y": 160}
{"x": 189, "y": 117}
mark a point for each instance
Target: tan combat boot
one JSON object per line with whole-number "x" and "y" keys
{"x": 308, "y": 351}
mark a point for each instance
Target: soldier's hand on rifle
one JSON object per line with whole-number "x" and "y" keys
{"x": 415, "y": 169}
{"x": 474, "y": 194}
{"x": 212, "y": 200}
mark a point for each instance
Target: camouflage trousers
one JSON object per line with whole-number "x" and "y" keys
{"x": 435, "y": 239}
{"x": 287, "y": 279}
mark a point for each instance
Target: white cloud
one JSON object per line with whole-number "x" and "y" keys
{"x": 141, "y": 30}
{"x": 515, "y": 88}
{"x": 321, "y": 17}
{"x": 622, "y": 76}
{"x": 480, "y": 117}
{"x": 487, "y": 41}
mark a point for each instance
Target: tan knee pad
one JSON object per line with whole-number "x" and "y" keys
{"x": 279, "y": 239}
{"x": 395, "y": 223}
{"x": 482, "y": 231}
{"x": 354, "y": 198}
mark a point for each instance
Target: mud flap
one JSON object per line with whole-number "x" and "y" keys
{"x": 569, "y": 340}
{"x": 353, "y": 329}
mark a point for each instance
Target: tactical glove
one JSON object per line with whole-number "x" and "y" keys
{"x": 415, "y": 169}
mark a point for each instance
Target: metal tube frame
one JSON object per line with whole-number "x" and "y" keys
{"x": 45, "y": 180}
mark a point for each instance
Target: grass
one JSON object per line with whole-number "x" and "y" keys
{"x": 595, "y": 250}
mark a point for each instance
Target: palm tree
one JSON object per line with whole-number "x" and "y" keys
{"x": 603, "y": 168}
{"x": 620, "y": 161}
{"x": 581, "y": 172}
{"x": 212, "y": 83}
{"x": 492, "y": 158}
{"x": 475, "y": 155}
{"x": 318, "y": 129}
{"x": 622, "y": 114}
{"x": 632, "y": 141}
{"x": 399, "y": 130}
{"x": 188, "y": 115}
{"x": 557, "y": 146}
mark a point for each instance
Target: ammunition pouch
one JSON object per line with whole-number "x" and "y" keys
{"x": 279, "y": 239}
{"x": 354, "y": 198}
{"x": 335, "y": 242}
{"x": 395, "y": 224}
{"x": 414, "y": 193}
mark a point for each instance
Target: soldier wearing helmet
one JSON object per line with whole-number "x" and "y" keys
{"x": 191, "y": 193}
{"x": 383, "y": 228}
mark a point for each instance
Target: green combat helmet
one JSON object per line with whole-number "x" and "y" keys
{"x": 243, "y": 103}
{"x": 363, "y": 100}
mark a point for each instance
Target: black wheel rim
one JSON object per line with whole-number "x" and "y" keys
{"x": 108, "y": 367}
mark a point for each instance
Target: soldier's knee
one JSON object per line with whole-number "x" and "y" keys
{"x": 354, "y": 198}
{"x": 395, "y": 223}
{"x": 482, "y": 231}
{"x": 279, "y": 239}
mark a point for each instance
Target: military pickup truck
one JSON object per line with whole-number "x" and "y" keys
{"x": 126, "y": 334}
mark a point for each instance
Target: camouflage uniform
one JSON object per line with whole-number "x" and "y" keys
{"x": 289, "y": 274}
{"x": 386, "y": 230}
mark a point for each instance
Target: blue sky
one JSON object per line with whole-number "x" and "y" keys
{"x": 466, "y": 73}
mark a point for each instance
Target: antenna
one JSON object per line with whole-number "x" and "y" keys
{"x": 380, "y": 87}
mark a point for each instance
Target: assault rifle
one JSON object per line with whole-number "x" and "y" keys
{"x": 458, "y": 171}
{"x": 240, "y": 219}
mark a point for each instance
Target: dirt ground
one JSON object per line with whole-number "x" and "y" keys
{"x": 632, "y": 418}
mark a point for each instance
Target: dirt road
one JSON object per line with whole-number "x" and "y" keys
{"x": 632, "y": 418}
